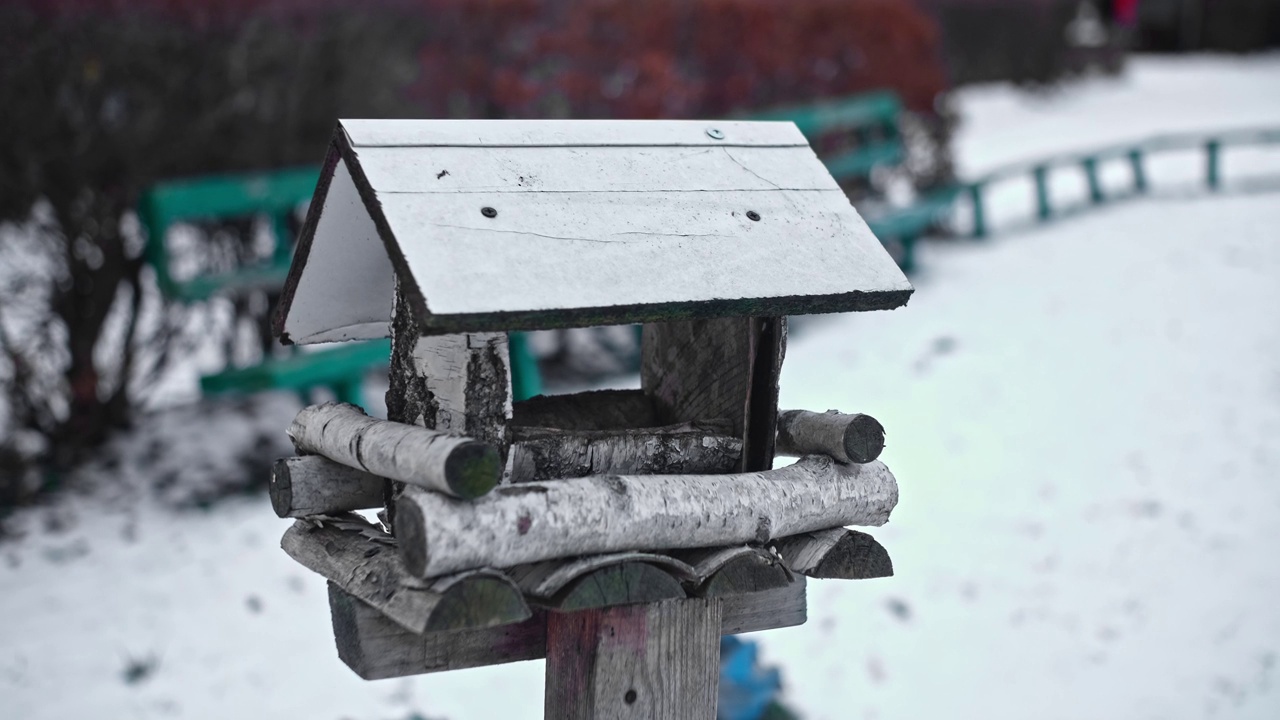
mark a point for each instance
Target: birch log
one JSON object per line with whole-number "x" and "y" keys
{"x": 361, "y": 559}
{"x": 847, "y": 438}
{"x": 528, "y": 523}
{"x": 691, "y": 448}
{"x": 315, "y": 485}
{"x": 836, "y": 553}
{"x": 449, "y": 464}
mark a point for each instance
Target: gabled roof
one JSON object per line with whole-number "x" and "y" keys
{"x": 511, "y": 225}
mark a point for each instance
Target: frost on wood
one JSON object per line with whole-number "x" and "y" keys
{"x": 361, "y": 559}
{"x": 847, "y": 438}
{"x": 692, "y": 448}
{"x": 315, "y": 485}
{"x": 449, "y": 464}
{"x": 532, "y": 522}
{"x": 836, "y": 553}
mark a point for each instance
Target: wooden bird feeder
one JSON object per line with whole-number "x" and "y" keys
{"x": 618, "y": 534}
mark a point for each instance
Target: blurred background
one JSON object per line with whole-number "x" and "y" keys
{"x": 1082, "y": 399}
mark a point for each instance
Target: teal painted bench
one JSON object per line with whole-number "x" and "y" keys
{"x": 856, "y": 135}
{"x": 276, "y": 196}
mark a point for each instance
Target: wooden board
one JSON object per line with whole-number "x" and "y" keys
{"x": 573, "y": 224}
{"x": 659, "y": 660}
{"x": 374, "y": 647}
{"x": 361, "y": 559}
{"x": 564, "y": 133}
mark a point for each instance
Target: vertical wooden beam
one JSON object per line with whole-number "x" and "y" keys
{"x": 1040, "y": 174}
{"x": 459, "y": 383}
{"x": 979, "y": 214}
{"x": 659, "y": 661}
{"x": 699, "y": 370}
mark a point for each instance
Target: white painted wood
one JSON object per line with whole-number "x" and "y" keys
{"x": 562, "y": 251}
{"x": 631, "y": 221}
{"x": 519, "y": 524}
{"x": 574, "y": 133}
{"x": 490, "y": 170}
{"x": 348, "y": 285}
{"x": 430, "y": 459}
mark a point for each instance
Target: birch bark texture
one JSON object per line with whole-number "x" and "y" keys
{"x": 315, "y": 485}
{"x": 847, "y": 438}
{"x": 528, "y": 523}
{"x": 457, "y": 466}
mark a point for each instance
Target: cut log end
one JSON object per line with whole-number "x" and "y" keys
{"x": 624, "y": 584}
{"x": 473, "y": 469}
{"x": 411, "y": 536}
{"x": 863, "y": 439}
{"x": 281, "y": 489}
{"x": 746, "y": 574}
{"x": 478, "y": 602}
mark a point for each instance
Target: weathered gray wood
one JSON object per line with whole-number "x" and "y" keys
{"x": 847, "y": 438}
{"x": 450, "y": 464}
{"x": 569, "y": 133}
{"x": 696, "y": 370}
{"x": 660, "y": 660}
{"x": 627, "y": 583}
{"x": 593, "y": 410}
{"x": 361, "y": 559}
{"x": 545, "y": 580}
{"x": 376, "y": 648}
{"x": 688, "y": 448}
{"x": 734, "y": 570}
{"x": 836, "y": 553}
{"x": 532, "y": 522}
{"x": 786, "y": 606}
{"x": 315, "y": 485}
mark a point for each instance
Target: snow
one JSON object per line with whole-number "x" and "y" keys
{"x": 1084, "y": 419}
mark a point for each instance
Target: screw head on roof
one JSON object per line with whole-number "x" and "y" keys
{"x": 753, "y": 215}
{"x": 488, "y": 212}
{"x": 715, "y": 133}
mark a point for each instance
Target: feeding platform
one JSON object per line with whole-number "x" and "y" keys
{"x": 554, "y": 526}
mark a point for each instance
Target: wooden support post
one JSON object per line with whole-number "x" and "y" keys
{"x": 1213, "y": 164}
{"x": 979, "y": 211}
{"x": 1041, "y": 175}
{"x": 1090, "y": 166}
{"x": 1139, "y": 172}
{"x": 658, "y": 661}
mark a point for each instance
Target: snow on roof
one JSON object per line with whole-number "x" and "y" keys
{"x": 510, "y": 225}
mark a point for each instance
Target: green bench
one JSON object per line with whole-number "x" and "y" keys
{"x": 275, "y": 196}
{"x": 856, "y": 135}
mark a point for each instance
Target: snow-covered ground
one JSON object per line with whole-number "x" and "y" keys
{"x": 1084, "y": 419}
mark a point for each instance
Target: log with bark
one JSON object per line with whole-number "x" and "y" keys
{"x": 689, "y": 448}
{"x": 836, "y": 553}
{"x": 528, "y": 523}
{"x": 438, "y": 461}
{"x": 734, "y": 570}
{"x": 361, "y": 559}
{"x": 375, "y": 647}
{"x": 316, "y": 485}
{"x": 847, "y": 438}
